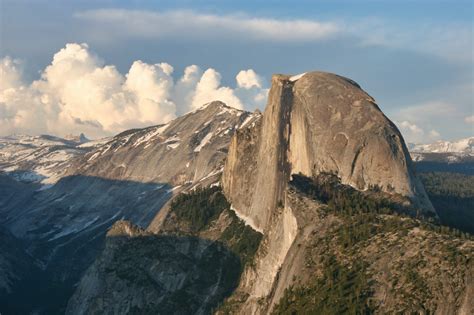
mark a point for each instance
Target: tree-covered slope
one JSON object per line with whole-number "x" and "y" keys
{"x": 452, "y": 195}
{"x": 189, "y": 267}
{"x": 370, "y": 258}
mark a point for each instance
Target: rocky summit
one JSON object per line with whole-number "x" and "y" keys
{"x": 313, "y": 207}
{"x": 317, "y": 123}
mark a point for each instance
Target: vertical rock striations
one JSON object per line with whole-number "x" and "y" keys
{"x": 264, "y": 168}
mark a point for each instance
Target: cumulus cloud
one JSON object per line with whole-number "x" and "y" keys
{"x": 249, "y": 90}
{"x": 78, "y": 93}
{"x": 10, "y": 74}
{"x": 208, "y": 89}
{"x": 151, "y": 85}
{"x": 185, "y": 87}
{"x": 250, "y": 87}
{"x": 248, "y": 79}
{"x": 154, "y": 24}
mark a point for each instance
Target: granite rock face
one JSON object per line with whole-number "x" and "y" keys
{"x": 319, "y": 123}
{"x": 180, "y": 152}
{"x": 338, "y": 128}
{"x": 313, "y": 123}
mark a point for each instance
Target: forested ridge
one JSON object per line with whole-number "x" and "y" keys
{"x": 452, "y": 195}
{"x": 342, "y": 277}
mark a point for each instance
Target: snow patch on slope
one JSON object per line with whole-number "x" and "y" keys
{"x": 297, "y": 77}
{"x": 247, "y": 220}
{"x": 204, "y": 141}
{"x": 41, "y": 159}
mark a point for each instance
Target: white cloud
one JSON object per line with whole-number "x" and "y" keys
{"x": 184, "y": 89}
{"x": 411, "y": 132}
{"x": 208, "y": 89}
{"x": 248, "y": 79}
{"x": 10, "y": 74}
{"x": 416, "y": 134}
{"x": 469, "y": 119}
{"x": 78, "y": 93}
{"x": 249, "y": 87}
{"x": 154, "y": 24}
{"x": 151, "y": 85}
{"x": 411, "y": 127}
{"x": 452, "y": 41}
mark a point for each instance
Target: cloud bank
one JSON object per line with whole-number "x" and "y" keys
{"x": 185, "y": 23}
{"x": 452, "y": 41}
{"x": 77, "y": 93}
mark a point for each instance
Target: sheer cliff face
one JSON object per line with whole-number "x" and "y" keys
{"x": 317, "y": 123}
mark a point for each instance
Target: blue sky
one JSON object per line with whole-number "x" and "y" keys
{"x": 414, "y": 57}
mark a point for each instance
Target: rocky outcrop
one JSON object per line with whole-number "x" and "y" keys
{"x": 268, "y": 245}
{"x": 318, "y": 123}
{"x": 408, "y": 267}
{"x": 142, "y": 273}
{"x": 314, "y": 123}
{"x": 188, "y": 267}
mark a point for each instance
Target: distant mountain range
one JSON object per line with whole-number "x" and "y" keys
{"x": 445, "y": 156}
{"x": 462, "y": 146}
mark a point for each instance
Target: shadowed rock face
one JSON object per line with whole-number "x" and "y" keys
{"x": 143, "y": 273}
{"x": 129, "y": 176}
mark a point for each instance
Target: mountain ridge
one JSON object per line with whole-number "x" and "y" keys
{"x": 69, "y": 215}
{"x": 254, "y": 191}
{"x": 462, "y": 146}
